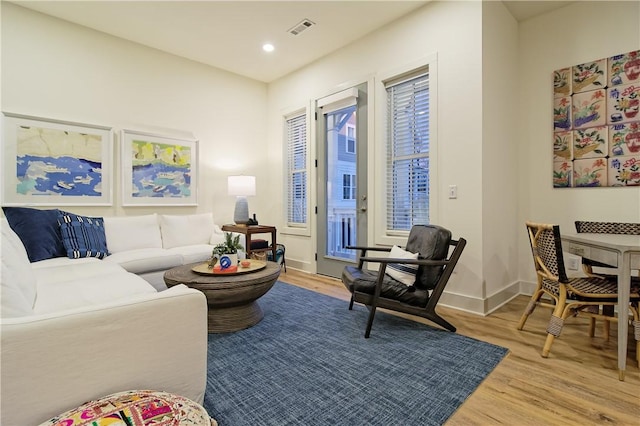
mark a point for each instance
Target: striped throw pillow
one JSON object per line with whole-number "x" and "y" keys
{"x": 404, "y": 273}
{"x": 83, "y": 236}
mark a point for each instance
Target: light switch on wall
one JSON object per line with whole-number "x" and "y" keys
{"x": 453, "y": 191}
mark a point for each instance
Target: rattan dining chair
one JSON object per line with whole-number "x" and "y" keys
{"x": 570, "y": 296}
{"x": 604, "y": 228}
{"x": 594, "y": 227}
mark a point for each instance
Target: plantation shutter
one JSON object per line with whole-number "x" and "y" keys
{"x": 296, "y": 140}
{"x": 407, "y": 152}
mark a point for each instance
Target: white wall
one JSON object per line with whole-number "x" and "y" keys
{"x": 452, "y": 31}
{"x": 499, "y": 154}
{"x": 55, "y": 69}
{"x": 494, "y": 111}
{"x": 578, "y": 33}
{"x": 488, "y": 77}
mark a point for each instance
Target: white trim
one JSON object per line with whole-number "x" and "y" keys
{"x": 346, "y": 145}
{"x": 339, "y": 100}
{"x": 528, "y": 287}
{"x": 481, "y": 306}
{"x": 302, "y": 230}
{"x": 367, "y": 79}
{"x": 381, "y": 236}
{"x": 313, "y": 186}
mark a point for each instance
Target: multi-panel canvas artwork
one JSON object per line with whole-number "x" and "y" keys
{"x": 596, "y": 123}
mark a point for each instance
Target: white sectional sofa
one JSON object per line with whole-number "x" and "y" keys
{"x": 77, "y": 329}
{"x": 151, "y": 244}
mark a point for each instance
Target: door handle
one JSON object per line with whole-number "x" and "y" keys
{"x": 363, "y": 206}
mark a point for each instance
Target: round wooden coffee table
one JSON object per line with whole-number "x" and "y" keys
{"x": 232, "y": 299}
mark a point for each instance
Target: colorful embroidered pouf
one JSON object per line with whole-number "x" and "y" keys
{"x": 136, "y": 408}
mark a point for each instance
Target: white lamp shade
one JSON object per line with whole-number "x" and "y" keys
{"x": 241, "y": 185}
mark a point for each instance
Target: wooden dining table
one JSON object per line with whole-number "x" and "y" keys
{"x": 621, "y": 252}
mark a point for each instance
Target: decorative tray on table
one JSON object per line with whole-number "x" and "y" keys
{"x": 254, "y": 265}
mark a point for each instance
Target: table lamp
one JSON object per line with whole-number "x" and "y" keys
{"x": 241, "y": 187}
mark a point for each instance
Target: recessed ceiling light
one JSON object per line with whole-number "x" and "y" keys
{"x": 268, "y": 47}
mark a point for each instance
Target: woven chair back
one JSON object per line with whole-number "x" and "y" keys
{"x": 546, "y": 247}
{"x": 607, "y": 227}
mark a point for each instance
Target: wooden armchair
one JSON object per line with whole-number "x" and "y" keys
{"x": 432, "y": 266}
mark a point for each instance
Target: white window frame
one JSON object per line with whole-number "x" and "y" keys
{"x": 296, "y": 228}
{"x": 382, "y": 235}
{"x": 351, "y": 187}
{"x": 346, "y": 139}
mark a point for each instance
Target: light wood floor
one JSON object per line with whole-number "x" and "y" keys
{"x": 577, "y": 385}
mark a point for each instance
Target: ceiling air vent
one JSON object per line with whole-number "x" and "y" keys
{"x": 301, "y": 26}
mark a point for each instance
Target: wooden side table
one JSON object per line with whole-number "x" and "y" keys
{"x": 250, "y": 230}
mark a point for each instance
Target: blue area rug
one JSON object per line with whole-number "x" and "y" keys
{"x": 308, "y": 363}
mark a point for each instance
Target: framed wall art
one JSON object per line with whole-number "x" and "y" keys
{"x": 158, "y": 170}
{"x": 49, "y": 162}
{"x": 596, "y": 123}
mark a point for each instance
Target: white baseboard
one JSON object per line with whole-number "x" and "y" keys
{"x": 458, "y": 301}
{"x": 528, "y": 287}
{"x": 299, "y": 265}
{"x": 486, "y": 306}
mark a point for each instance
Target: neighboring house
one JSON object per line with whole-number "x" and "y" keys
{"x": 341, "y": 208}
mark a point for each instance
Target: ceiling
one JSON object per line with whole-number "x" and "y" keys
{"x": 525, "y": 9}
{"x": 229, "y": 34}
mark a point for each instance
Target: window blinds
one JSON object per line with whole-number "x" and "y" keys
{"x": 407, "y": 152}
{"x": 296, "y": 140}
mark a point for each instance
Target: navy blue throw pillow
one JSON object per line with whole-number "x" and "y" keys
{"x": 38, "y": 230}
{"x": 83, "y": 236}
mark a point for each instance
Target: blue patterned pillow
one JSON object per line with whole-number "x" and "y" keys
{"x": 38, "y": 230}
{"x": 83, "y": 236}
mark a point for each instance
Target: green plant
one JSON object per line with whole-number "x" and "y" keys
{"x": 231, "y": 245}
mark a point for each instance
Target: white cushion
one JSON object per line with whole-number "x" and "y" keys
{"x": 13, "y": 300}
{"x": 88, "y": 270}
{"x": 105, "y": 288}
{"x": 194, "y": 253}
{"x": 186, "y": 230}
{"x": 145, "y": 260}
{"x": 217, "y": 236}
{"x": 62, "y": 261}
{"x": 18, "y": 282}
{"x": 132, "y": 232}
{"x": 406, "y": 274}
